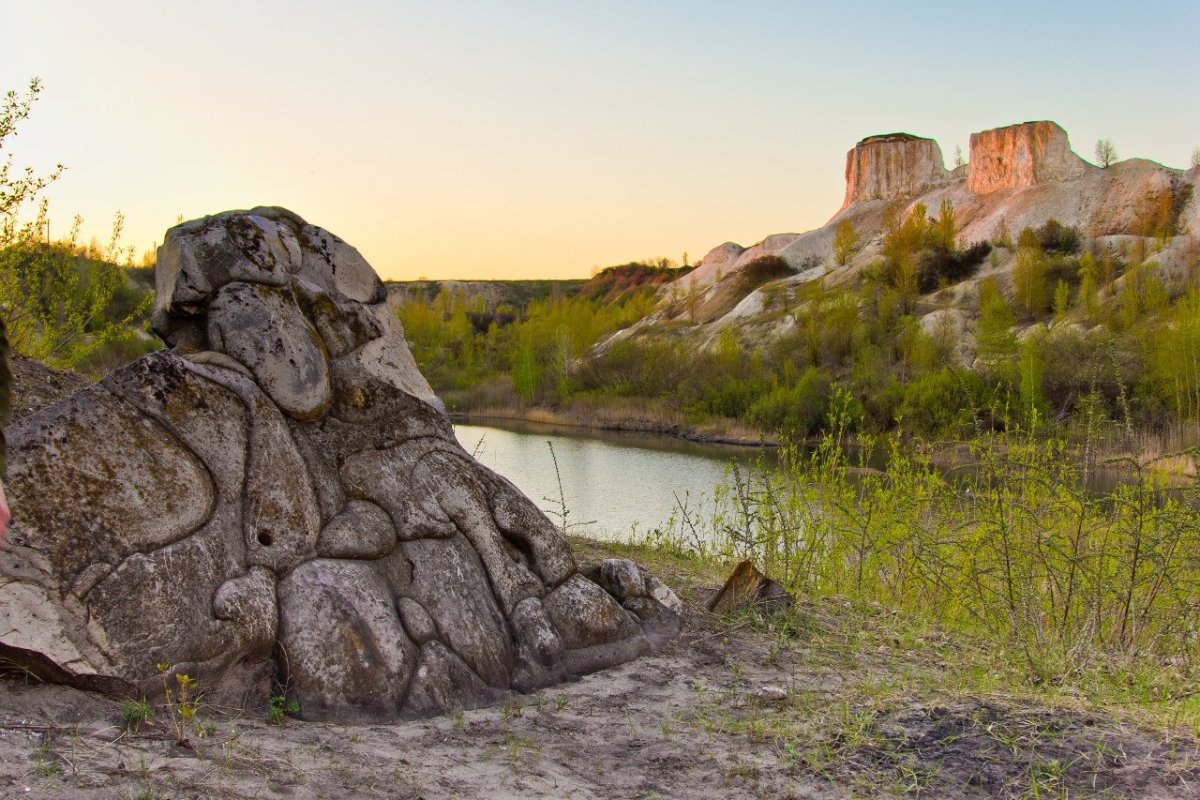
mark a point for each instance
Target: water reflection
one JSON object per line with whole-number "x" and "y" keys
{"x": 611, "y": 481}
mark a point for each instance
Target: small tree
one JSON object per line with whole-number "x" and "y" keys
{"x": 1089, "y": 273}
{"x": 944, "y": 230}
{"x": 845, "y": 242}
{"x": 1003, "y": 235}
{"x": 994, "y": 335}
{"x": 1062, "y": 299}
{"x": 1029, "y": 278}
{"x": 53, "y": 298}
{"x": 959, "y": 160}
{"x": 1196, "y": 157}
{"x": 1106, "y": 153}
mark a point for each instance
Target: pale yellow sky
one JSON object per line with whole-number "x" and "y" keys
{"x": 544, "y": 139}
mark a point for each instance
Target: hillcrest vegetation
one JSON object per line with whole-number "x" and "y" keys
{"x": 1038, "y": 329}
{"x": 71, "y": 305}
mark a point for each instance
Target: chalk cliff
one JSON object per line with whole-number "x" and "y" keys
{"x": 893, "y": 166}
{"x": 1021, "y": 156}
{"x": 1018, "y": 176}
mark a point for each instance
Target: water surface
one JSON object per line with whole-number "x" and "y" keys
{"x": 610, "y": 481}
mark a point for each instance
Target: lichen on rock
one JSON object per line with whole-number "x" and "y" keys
{"x": 279, "y": 498}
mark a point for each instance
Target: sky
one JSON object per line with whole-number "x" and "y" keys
{"x": 529, "y": 139}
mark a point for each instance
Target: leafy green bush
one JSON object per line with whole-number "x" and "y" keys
{"x": 945, "y": 401}
{"x": 1014, "y": 549}
{"x": 763, "y": 269}
{"x": 61, "y": 303}
{"x": 795, "y": 410}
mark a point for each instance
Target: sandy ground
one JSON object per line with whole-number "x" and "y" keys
{"x": 729, "y": 710}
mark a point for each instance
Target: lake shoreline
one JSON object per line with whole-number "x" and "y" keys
{"x": 712, "y": 433}
{"x": 1170, "y": 468}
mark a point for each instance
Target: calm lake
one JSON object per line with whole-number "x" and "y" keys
{"x": 611, "y": 480}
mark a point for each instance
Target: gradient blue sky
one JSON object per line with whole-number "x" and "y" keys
{"x": 544, "y": 139}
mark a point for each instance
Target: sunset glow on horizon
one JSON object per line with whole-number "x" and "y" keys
{"x": 545, "y": 140}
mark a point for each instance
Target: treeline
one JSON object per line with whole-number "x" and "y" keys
{"x": 76, "y": 306}
{"x": 81, "y": 307}
{"x": 522, "y": 353}
{"x": 1063, "y": 335}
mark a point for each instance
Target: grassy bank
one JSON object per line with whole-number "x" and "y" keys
{"x": 1094, "y": 595}
{"x": 891, "y": 703}
{"x": 834, "y": 699}
{"x": 639, "y": 417}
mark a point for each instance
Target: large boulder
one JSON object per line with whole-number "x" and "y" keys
{"x": 278, "y": 500}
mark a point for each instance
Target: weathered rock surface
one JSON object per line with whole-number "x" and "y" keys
{"x": 1021, "y": 156}
{"x": 893, "y": 166}
{"x": 279, "y": 500}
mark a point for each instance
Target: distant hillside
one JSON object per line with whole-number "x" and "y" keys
{"x": 608, "y": 285}
{"x": 1025, "y": 289}
{"x": 617, "y": 283}
{"x": 1018, "y": 177}
{"x": 491, "y": 294}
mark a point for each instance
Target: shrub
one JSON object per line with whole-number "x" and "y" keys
{"x": 796, "y": 410}
{"x": 944, "y": 401}
{"x": 763, "y": 269}
{"x": 939, "y": 266}
{"x": 1015, "y": 550}
{"x": 845, "y": 242}
{"x": 1055, "y": 237}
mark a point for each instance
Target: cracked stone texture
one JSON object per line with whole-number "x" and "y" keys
{"x": 279, "y": 499}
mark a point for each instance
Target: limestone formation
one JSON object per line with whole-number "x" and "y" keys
{"x": 1018, "y": 176}
{"x": 1021, "y": 156}
{"x": 893, "y": 166}
{"x": 279, "y": 501}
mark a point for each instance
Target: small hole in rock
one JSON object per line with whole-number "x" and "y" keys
{"x": 265, "y": 539}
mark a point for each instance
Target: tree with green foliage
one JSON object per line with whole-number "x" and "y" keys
{"x": 1029, "y": 275}
{"x": 845, "y": 242}
{"x": 1089, "y": 276}
{"x": 945, "y": 234}
{"x": 942, "y": 402}
{"x": 996, "y": 342}
{"x": 56, "y": 299}
{"x": 1031, "y": 389}
{"x": 1062, "y": 299}
{"x": 795, "y": 410}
